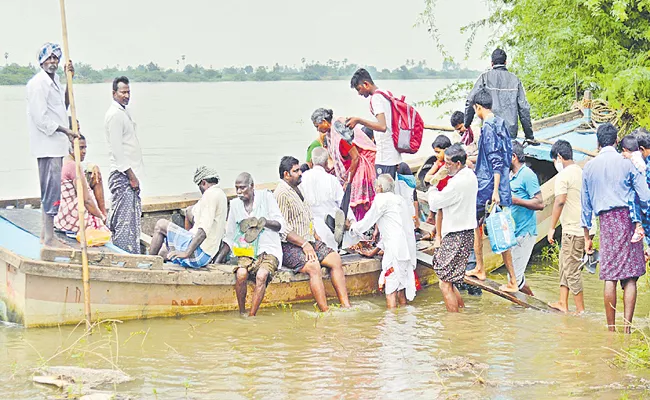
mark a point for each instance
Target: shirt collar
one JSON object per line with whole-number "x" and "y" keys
{"x": 518, "y": 171}
{"x": 56, "y": 81}
{"x": 118, "y": 106}
{"x": 607, "y": 149}
{"x": 318, "y": 167}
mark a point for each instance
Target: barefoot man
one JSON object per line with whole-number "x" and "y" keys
{"x": 47, "y": 122}
{"x": 492, "y": 169}
{"x": 302, "y": 250}
{"x": 458, "y": 204}
{"x": 567, "y": 209}
{"x": 253, "y": 236}
{"x": 609, "y": 183}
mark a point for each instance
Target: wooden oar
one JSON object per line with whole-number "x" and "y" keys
{"x": 439, "y": 128}
{"x": 85, "y": 273}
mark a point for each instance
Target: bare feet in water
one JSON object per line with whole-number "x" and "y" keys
{"x": 478, "y": 273}
{"x": 559, "y": 306}
{"x": 509, "y": 288}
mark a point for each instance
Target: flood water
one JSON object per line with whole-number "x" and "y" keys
{"x": 490, "y": 350}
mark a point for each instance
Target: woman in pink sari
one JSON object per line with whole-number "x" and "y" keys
{"x": 67, "y": 219}
{"x": 353, "y": 161}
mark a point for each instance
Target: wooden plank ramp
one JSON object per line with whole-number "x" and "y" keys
{"x": 488, "y": 285}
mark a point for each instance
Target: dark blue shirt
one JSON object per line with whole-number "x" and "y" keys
{"x": 494, "y": 157}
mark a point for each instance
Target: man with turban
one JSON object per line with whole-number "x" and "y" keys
{"x": 47, "y": 123}
{"x": 196, "y": 247}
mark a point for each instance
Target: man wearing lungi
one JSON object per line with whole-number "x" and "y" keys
{"x": 609, "y": 183}
{"x": 458, "y": 204}
{"x": 126, "y": 169}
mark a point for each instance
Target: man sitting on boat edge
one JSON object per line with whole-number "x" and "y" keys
{"x": 302, "y": 249}
{"x": 196, "y": 247}
{"x": 253, "y": 235}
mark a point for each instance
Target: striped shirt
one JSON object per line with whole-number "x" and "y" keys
{"x": 296, "y": 212}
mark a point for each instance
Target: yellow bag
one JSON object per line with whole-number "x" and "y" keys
{"x": 95, "y": 237}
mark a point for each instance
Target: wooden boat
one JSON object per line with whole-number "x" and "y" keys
{"x": 40, "y": 289}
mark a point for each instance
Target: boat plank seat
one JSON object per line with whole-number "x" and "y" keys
{"x": 102, "y": 258}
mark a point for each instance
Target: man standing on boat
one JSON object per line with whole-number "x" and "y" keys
{"x": 526, "y": 199}
{"x": 126, "y": 169}
{"x": 387, "y": 158}
{"x": 302, "y": 249}
{"x": 457, "y": 200}
{"x": 492, "y": 170}
{"x": 196, "y": 247}
{"x": 47, "y": 121}
{"x": 609, "y": 184}
{"x": 508, "y": 96}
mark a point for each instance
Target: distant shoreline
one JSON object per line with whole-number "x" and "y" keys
{"x": 14, "y": 74}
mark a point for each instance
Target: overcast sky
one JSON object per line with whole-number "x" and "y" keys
{"x": 241, "y": 32}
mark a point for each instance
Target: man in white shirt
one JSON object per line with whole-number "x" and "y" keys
{"x": 458, "y": 204}
{"x": 393, "y": 216}
{"x": 47, "y": 121}
{"x": 126, "y": 169}
{"x": 196, "y": 247}
{"x": 253, "y": 236}
{"x": 323, "y": 193}
{"x": 387, "y": 158}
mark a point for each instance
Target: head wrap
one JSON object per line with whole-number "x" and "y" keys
{"x": 204, "y": 172}
{"x": 47, "y": 50}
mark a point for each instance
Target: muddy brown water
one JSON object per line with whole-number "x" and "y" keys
{"x": 490, "y": 350}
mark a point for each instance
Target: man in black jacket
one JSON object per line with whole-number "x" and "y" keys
{"x": 508, "y": 97}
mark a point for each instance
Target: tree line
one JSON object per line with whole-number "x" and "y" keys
{"x": 14, "y": 74}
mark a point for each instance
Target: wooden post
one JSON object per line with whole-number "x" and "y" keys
{"x": 85, "y": 273}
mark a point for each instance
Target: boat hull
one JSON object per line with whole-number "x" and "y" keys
{"x": 41, "y": 294}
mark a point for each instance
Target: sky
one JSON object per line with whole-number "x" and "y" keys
{"x": 221, "y": 33}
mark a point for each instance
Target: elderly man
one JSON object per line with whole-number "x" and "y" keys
{"x": 458, "y": 204}
{"x": 196, "y": 247}
{"x": 609, "y": 183}
{"x": 47, "y": 122}
{"x": 253, "y": 236}
{"x": 302, "y": 250}
{"x": 508, "y": 94}
{"x": 324, "y": 194}
{"x": 126, "y": 169}
{"x": 393, "y": 216}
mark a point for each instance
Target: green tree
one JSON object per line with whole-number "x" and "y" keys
{"x": 606, "y": 43}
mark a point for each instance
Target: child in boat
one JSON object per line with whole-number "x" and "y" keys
{"x": 630, "y": 148}
{"x": 467, "y": 138}
{"x": 438, "y": 176}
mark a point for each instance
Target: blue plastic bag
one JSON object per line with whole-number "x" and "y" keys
{"x": 500, "y": 229}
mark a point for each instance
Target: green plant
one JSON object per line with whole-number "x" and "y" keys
{"x": 600, "y": 45}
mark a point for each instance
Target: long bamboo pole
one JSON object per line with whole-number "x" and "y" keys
{"x": 85, "y": 273}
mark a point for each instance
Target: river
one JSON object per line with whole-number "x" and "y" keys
{"x": 233, "y": 126}
{"x": 490, "y": 350}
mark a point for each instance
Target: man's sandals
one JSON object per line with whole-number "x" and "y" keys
{"x": 252, "y": 227}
